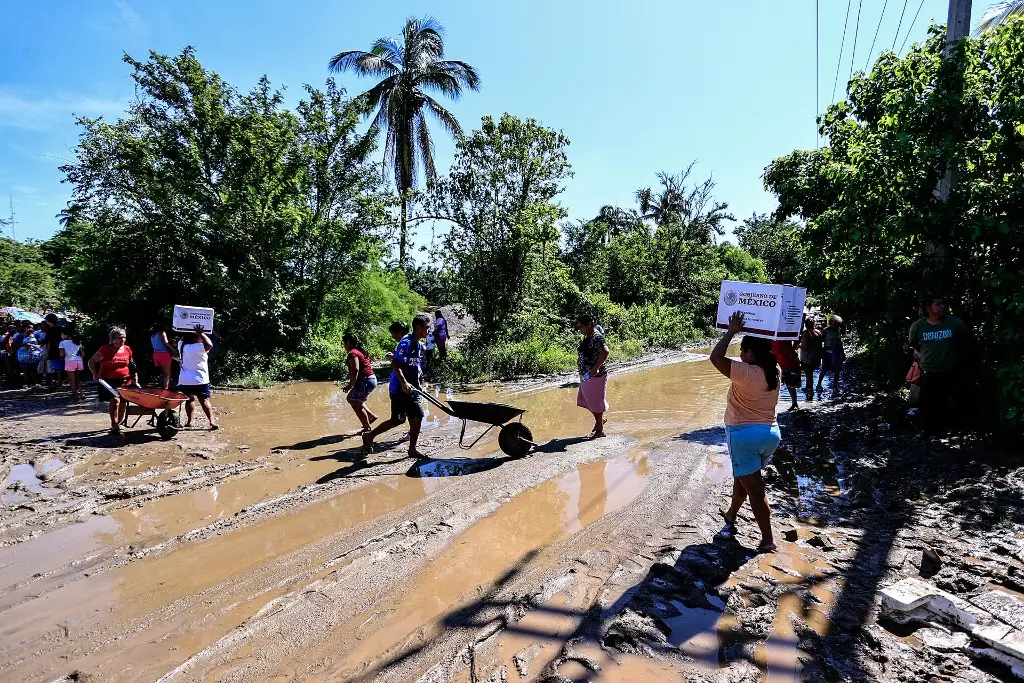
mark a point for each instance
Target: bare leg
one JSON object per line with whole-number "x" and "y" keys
{"x": 415, "y": 422}
{"x": 598, "y": 425}
{"x": 208, "y": 409}
{"x": 754, "y": 484}
{"x": 384, "y": 426}
{"x": 122, "y": 408}
{"x": 361, "y": 413}
{"x": 167, "y": 375}
{"x": 792, "y": 396}
{"x": 115, "y": 417}
{"x": 739, "y": 495}
{"x": 189, "y": 407}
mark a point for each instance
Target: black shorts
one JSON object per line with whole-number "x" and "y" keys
{"x": 195, "y": 390}
{"x": 405, "y": 405}
{"x": 791, "y": 378}
{"x": 102, "y": 395}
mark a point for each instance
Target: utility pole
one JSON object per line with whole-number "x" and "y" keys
{"x": 958, "y": 25}
{"x": 936, "y": 267}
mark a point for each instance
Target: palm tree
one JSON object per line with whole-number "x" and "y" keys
{"x": 73, "y": 213}
{"x": 998, "y": 14}
{"x": 691, "y": 211}
{"x": 410, "y": 68}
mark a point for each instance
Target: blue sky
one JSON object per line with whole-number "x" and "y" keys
{"x": 637, "y": 87}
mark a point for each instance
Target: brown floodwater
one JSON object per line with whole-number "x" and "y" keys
{"x": 302, "y": 433}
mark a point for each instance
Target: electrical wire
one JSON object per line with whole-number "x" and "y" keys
{"x": 899, "y": 26}
{"x": 877, "y": 28}
{"x": 911, "y": 29}
{"x": 842, "y": 44}
{"x": 853, "y": 55}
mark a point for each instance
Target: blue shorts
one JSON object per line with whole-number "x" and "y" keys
{"x": 56, "y": 365}
{"x": 361, "y": 391}
{"x": 195, "y": 390}
{"x": 751, "y": 447}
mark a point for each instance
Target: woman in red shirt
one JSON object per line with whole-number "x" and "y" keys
{"x": 113, "y": 364}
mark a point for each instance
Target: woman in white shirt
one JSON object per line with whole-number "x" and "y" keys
{"x": 194, "y": 373}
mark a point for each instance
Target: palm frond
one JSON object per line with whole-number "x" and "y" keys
{"x": 382, "y": 90}
{"x": 426, "y": 149}
{"x": 443, "y": 116}
{"x": 998, "y": 14}
{"x": 389, "y": 49}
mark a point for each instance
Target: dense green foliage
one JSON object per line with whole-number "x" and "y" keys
{"x": 777, "y": 244}
{"x": 205, "y": 196}
{"x": 26, "y": 280}
{"x": 279, "y": 219}
{"x": 878, "y": 234}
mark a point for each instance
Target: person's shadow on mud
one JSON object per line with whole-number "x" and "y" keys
{"x": 358, "y": 460}
{"x": 560, "y": 445}
{"x": 328, "y": 440}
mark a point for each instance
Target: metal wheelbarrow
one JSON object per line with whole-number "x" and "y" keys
{"x": 163, "y": 407}
{"x": 515, "y": 439}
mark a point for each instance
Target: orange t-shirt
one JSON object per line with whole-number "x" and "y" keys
{"x": 750, "y": 401}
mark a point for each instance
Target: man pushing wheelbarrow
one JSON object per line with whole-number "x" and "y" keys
{"x": 515, "y": 438}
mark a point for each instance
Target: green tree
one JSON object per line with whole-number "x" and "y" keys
{"x": 499, "y": 197}
{"x": 689, "y": 212}
{"x": 207, "y": 196}
{"x": 777, "y": 244}
{"x": 26, "y": 280}
{"x": 409, "y": 68}
{"x": 868, "y": 201}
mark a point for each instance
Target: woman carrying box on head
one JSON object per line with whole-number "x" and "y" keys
{"x": 194, "y": 373}
{"x": 752, "y": 432}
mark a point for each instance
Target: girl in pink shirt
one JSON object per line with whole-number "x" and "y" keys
{"x": 750, "y": 427}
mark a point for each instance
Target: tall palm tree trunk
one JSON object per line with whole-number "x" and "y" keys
{"x": 403, "y": 234}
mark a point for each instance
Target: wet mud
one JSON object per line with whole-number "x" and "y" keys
{"x": 275, "y": 549}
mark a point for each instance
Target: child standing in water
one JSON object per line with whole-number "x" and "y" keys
{"x": 361, "y": 380}
{"x": 71, "y": 353}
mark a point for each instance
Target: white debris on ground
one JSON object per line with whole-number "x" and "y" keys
{"x": 992, "y": 617}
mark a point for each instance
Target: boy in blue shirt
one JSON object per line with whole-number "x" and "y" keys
{"x": 406, "y": 371}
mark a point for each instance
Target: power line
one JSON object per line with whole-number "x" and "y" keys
{"x": 842, "y": 44}
{"x": 853, "y": 55}
{"x": 911, "y": 29}
{"x": 899, "y": 26}
{"x": 872, "y": 48}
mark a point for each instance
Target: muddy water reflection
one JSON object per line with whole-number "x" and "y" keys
{"x": 487, "y": 552}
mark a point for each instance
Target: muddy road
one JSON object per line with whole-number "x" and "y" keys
{"x": 274, "y": 550}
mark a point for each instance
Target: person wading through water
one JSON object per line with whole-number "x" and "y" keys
{"x": 405, "y": 376}
{"x": 751, "y": 430}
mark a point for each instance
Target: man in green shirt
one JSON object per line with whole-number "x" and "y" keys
{"x": 939, "y": 341}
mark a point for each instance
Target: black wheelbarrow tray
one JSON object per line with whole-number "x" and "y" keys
{"x": 515, "y": 439}
{"x": 163, "y": 407}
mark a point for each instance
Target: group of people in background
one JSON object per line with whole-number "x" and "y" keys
{"x": 45, "y": 352}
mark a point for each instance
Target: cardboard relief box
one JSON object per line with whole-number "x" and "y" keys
{"x": 771, "y": 311}
{"x": 186, "y": 318}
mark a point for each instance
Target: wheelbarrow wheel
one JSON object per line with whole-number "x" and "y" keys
{"x": 515, "y": 439}
{"x": 167, "y": 424}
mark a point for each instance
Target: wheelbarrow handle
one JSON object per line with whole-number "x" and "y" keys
{"x": 102, "y": 382}
{"x": 431, "y": 399}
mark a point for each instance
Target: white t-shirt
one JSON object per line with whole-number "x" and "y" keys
{"x": 194, "y": 366}
{"x": 72, "y": 351}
